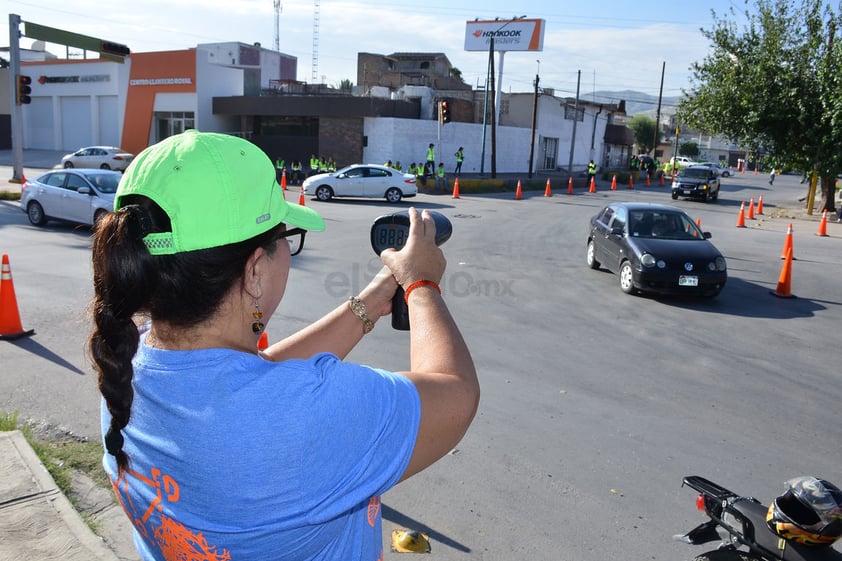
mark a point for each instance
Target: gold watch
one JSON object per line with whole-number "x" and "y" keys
{"x": 358, "y": 307}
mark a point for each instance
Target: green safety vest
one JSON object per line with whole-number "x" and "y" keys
{"x": 440, "y": 172}
{"x": 459, "y": 156}
{"x": 431, "y": 154}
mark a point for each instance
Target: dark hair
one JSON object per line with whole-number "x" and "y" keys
{"x": 182, "y": 290}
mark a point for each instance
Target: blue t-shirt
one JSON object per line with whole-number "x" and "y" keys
{"x": 233, "y": 457}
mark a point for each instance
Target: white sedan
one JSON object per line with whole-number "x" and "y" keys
{"x": 362, "y": 180}
{"x": 102, "y": 157}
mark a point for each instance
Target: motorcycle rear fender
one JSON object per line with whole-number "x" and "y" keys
{"x": 703, "y": 533}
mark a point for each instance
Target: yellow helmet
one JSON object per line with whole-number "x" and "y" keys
{"x": 410, "y": 541}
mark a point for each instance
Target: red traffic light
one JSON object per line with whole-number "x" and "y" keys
{"x": 445, "y": 112}
{"x": 23, "y": 89}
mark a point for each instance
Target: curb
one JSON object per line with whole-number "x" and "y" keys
{"x": 36, "y": 520}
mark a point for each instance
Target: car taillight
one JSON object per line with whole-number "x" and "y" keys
{"x": 409, "y": 181}
{"x": 700, "y": 503}
{"x": 118, "y": 157}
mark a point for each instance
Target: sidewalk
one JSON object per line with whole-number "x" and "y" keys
{"x": 35, "y": 162}
{"x": 36, "y": 519}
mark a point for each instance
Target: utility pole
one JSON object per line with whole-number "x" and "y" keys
{"x": 658, "y": 113}
{"x": 493, "y": 116}
{"x": 534, "y": 122}
{"x": 575, "y": 120}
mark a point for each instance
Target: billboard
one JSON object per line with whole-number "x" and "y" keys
{"x": 509, "y": 35}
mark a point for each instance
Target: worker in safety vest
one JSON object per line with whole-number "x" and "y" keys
{"x": 441, "y": 177}
{"x": 411, "y": 169}
{"x": 591, "y": 172}
{"x": 460, "y": 157}
{"x": 431, "y": 158}
{"x": 296, "y": 172}
{"x": 314, "y": 164}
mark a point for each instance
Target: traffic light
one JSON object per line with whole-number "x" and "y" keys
{"x": 23, "y": 90}
{"x": 445, "y": 112}
{"x": 110, "y": 47}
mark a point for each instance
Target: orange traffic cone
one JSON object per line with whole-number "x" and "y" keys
{"x": 750, "y": 209}
{"x": 631, "y": 182}
{"x": 760, "y": 205}
{"x": 755, "y": 170}
{"x": 301, "y": 196}
{"x": 263, "y": 343}
{"x": 661, "y": 182}
{"x": 648, "y": 181}
{"x": 699, "y": 222}
{"x": 10, "y": 326}
{"x": 741, "y": 219}
{"x": 547, "y": 191}
{"x": 283, "y": 179}
{"x": 592, "y": 186}
{"x": 456, "y": 188}
{"x": 518, "y": 191}
{"x": 614, "y": 182}
{"x": 788, "y": 248}
{"x": 570, "y": 186}
{"x": 784, "y": 288}
{"x": 823, "y": 225}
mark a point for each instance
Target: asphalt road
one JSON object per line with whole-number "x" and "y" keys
{"x": 594, "y": 403}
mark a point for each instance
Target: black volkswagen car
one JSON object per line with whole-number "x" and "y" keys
{"x": 655, "y": 248}
{"x": 696, "y": 182}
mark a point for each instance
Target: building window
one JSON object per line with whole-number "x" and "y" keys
{"x": 273, "y": 125}
{"x": 549, "y": 149}
{"x": 170, "y": 124}
{"x": 569, "y": 111}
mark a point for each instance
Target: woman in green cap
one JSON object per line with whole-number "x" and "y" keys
{"x": 215, "y": 449}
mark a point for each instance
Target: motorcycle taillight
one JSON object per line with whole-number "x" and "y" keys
{"x": 700, "y": 503}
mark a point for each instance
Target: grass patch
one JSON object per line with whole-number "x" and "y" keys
{"x": 61, "y": 455}
{"x": 9, "y": 196}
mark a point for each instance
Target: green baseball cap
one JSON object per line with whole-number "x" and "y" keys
{"x": 217, "y": 189}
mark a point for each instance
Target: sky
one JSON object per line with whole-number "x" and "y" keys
{"x": 595, "y": 44}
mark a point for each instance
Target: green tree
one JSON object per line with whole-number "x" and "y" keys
{"x": 345, "y": 85}
{"x": 689, "y": 149}
{"x": 644, "y": 128}
{"x": 774, "y": 86}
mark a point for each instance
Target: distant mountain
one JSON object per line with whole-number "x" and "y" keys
{"x": 636, "y": 102}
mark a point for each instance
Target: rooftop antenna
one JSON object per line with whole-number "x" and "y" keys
{"x": 315, "y": 62}
{"x": 277, "y": 25}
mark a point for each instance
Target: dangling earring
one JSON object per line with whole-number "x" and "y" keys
{"x": 257, "y": 326}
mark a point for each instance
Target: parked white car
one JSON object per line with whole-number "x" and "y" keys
{"x": 362, "y": 180}
{"x": 682, "y": 162}
{"x": 102, "y": 157}
{"x": 73, "y": 195}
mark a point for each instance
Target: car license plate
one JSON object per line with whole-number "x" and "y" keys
{"x": 685, "y": 280}
{"x": 688, "y": 192}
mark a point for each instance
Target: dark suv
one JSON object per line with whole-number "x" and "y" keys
{"x": 696, "y": 183}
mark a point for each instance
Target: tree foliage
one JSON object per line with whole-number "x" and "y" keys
{"x": 644, "y": 128}
{"x": 689, "y": 149}
{"x": 774, "y": 85}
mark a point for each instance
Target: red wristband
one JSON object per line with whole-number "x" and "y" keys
{"x": 416, "y": 284}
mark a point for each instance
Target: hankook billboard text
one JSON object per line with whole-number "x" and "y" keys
{"x": 509, "y": 35}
